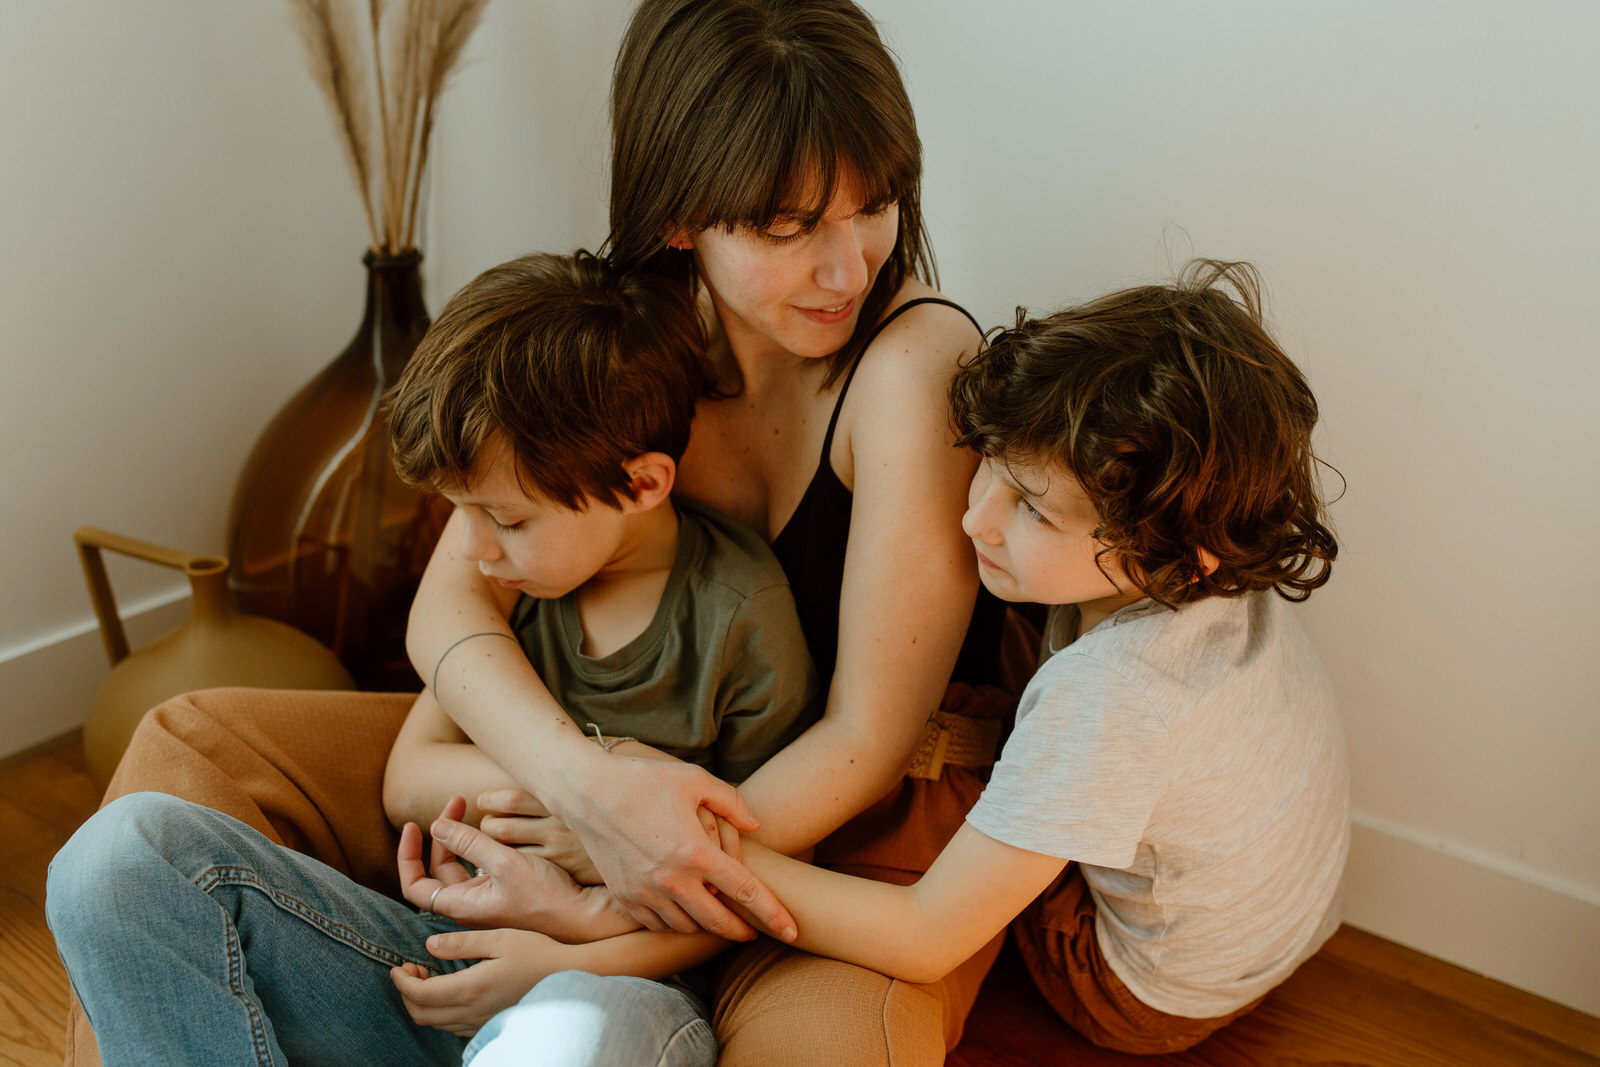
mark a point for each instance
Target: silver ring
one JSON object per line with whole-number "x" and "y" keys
{"x": 434, "y": 898}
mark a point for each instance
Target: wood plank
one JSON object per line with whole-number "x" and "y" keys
{"x": 1331, "y": 1011}
{"x": 51, "y": 782}
{"x": 28, "y": 1035}
{"x": 28, "y": 959}
{"x": 45, "y": 794}
{"x": 26, "y": 849}
{"x": 1510, "y": 1005}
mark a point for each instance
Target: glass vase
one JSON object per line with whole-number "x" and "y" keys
{"x": 324, "y": 535}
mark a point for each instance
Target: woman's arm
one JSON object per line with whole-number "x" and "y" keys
{"x": 917, "y": 933}
{"x": 460, "y": 641}
{"x": 910, "y": 580}
{"x": 433, "y": 760}
{"x": 637, "y": 818}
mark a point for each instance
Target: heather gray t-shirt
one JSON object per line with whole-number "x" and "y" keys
{"x": 1193, "y": 763}
{"x": 721, "y": 677}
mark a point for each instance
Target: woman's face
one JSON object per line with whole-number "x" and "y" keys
{"x": 797, "y": 289}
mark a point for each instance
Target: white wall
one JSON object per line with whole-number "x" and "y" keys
{"x": 181, "y": 247}
{"x": 1416, "y": 182}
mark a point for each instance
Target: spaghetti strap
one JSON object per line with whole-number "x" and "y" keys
{"x": 827, "y": 442}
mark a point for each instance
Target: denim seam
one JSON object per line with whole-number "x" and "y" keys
{"x": 247, "y": 878}
{"x": 258, "y": 1032}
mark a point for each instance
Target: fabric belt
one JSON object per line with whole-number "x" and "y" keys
{"x": 959, "y": 740}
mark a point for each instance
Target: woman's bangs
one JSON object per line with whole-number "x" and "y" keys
{"x": 786, "y": 160}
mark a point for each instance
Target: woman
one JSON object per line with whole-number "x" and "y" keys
{"x": 765, "y": 153}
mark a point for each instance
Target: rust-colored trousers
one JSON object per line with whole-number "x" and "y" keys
{"x": 306, "y": 769}
{"x": 1057, "y": 940}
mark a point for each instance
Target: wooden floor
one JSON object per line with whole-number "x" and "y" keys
{"x": 1360, "y": 1001}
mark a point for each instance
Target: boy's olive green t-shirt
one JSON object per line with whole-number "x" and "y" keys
{"x": 721, "y": 677}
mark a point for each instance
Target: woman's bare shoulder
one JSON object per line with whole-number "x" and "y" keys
{"x": 920, "y": 349}
{"x": 897, "y": 411}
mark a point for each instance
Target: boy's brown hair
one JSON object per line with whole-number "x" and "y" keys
{"x": 575, "y": 366}
{"x": 1185, "y": 423}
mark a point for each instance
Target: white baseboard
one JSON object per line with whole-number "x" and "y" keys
{"x": 50, "y": 683}
{"x": 1514, "y": 926}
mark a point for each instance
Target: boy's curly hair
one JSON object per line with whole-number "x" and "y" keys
{"x": 576, "y": 366}
{"x": 1185, "y": 423}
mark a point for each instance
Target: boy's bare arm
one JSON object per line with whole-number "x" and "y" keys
{"x": 433, "y": 760}
{"x": 920, "y": 932}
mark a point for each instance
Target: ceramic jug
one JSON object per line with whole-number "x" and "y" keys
{"x": 217, "y": 646}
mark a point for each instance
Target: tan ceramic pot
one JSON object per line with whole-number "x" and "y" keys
{"x": 217, "y": 646}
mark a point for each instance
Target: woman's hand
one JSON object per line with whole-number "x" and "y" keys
{"x": 513, "y": 962}
{"x": 650, "y": 830}
{"x": 515, "y": 817}
{"x": 511, "y": 888}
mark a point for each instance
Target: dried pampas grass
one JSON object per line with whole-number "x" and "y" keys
{"x": 382, "y": 65}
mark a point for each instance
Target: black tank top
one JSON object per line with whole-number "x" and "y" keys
{"x": 811, "y": 548}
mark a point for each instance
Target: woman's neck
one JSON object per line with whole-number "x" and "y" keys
{"x": 755, "y": 367}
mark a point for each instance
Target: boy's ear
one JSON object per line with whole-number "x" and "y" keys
{"x": 1208, "y": 562}
{"x": 651, "y": 476}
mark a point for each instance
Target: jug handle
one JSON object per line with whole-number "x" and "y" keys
{"x": 91, "y": 540}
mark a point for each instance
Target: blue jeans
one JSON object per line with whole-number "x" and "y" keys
{"x": 574, "y": 1018}
{"x": 190, "y": 938}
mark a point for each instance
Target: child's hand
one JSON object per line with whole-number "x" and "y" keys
{"x": 515, "y": 817}
{"x": 722, "y": 833}
{"x": 511, "y": 888}
{"x": 513, "y": 961}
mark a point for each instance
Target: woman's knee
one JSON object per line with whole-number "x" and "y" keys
{"x": 786, "y": 1006}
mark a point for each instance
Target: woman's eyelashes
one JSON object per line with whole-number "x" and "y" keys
{"x": 783, "y": 232}
{"x": 787, "y": 228}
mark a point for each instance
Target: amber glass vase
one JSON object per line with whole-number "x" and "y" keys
{"x": 324, "y": 535}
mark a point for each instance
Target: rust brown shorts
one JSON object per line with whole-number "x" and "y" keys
{"x": 1056, "y": 936}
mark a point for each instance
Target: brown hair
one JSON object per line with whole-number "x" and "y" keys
{"x": 721, "y": 109}
{"x": 1185, "y": 423}
{"x": 577, "y": 367}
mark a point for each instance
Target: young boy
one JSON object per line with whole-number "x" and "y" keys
{"x": 550, "y": 402}
{"x": 1170, "y": 816}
